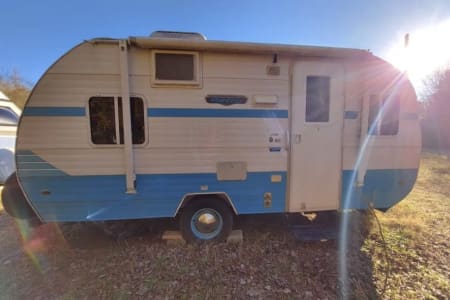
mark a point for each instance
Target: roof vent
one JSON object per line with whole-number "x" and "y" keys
{"x": 160, "y": 34}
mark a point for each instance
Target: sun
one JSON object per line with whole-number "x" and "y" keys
{"x": 428, "y": 51}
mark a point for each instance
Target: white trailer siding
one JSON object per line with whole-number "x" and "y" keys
{"x": 378, "y": 168}
{"x": 201, "y": 142}
{"x": 397, "y": 151}
{"x": 60, "y": 145}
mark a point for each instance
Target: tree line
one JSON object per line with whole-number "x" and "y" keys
{"x": 435, "y": 121}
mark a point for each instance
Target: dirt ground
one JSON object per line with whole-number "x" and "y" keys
{"x": 81, "y": 261}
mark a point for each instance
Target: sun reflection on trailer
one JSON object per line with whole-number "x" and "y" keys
{"x": 364, "y": 151}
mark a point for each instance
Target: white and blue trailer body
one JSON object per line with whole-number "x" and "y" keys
{"x": 211, "y": 129}
{"x": 9, "y": 118}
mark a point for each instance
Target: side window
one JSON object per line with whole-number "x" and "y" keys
{"x": 106, "y": 120}
{"x": 384, "y": 115}
{"x": 137, "y": 120}
{"x": 317, "y": 99}
{"x": 175, "y": 67}
{"x": 103, "y": 120}
{"x": 374, "y": 109}
{"x": 391, "y": 113}
{"x": 8, "y": 117}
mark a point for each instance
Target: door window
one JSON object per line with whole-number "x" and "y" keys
{"x": 317, "y": 99}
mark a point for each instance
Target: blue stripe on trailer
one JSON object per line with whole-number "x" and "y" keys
{"x": 217, "y": 113}
{"x": 30, "y": 164}
{"x": 61, "y": 197}
{"x": 48, "y": 111}
{"x": 384, "y": 188}
{"x": 351, "y": 114}
{"x": 165, "y": 112}
{"x": 89, "y": 198}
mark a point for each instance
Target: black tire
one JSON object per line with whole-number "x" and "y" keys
{"x": 210, "y": 209}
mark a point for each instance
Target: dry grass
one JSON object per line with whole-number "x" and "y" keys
{"x": 81, "y": 262}
{"x": 417, "y": 231}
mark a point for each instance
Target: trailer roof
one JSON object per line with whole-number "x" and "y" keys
{"x": 240, "y": 47}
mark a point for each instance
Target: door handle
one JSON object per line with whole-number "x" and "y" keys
{"x": 298, "y": 138}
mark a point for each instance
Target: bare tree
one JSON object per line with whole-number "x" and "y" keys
{"x": 436, "y": 120}
{"x": 15, "y": 87}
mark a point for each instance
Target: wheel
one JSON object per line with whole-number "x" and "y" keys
{"x": 206, "y": 220}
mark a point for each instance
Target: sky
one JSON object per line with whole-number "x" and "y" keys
{"x": 36, "y": 33}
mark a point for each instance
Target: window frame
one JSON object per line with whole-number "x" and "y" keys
{"x": 381, "y": 99}
{"x": 197, "y": 69}
{"x": 117, "y": 126}
{"x": 318, "y": 123}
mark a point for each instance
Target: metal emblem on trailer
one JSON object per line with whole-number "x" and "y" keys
{"x": 226, "y": 100}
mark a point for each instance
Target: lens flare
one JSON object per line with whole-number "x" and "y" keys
{"x": 428, "y": 51}
{"x": 37, "y": 242}
{"x": 352, "y": 190}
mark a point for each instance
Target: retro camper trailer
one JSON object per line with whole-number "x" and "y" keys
{"x": 174, "y": 125}
{"x": 9, "y": 117}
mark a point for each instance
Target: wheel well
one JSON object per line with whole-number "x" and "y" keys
{"x": 14, "y": 201}
{"x": 194, "y": 197}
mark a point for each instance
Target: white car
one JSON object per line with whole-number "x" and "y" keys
{"x": 9, "y": 118}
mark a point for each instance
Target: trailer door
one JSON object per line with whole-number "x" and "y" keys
{"x": 316, "y": 129}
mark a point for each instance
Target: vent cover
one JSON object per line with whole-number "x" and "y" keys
{"x": 161, "y": 34}
{"x": 273, "y": 70}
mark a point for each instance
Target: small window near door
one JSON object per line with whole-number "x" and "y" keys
{"x": 317, "y": 99}
{"x": 384, "y": 115}
{"x": 374, "y": 109}
{"x": 390, "y": 121}
{"x": 102, "y": 114}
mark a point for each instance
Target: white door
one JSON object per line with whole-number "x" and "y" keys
{"x": 316, "y": 130}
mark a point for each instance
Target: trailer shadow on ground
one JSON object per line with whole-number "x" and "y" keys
{"x": 128, "y": 260}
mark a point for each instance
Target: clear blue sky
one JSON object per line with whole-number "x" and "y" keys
{"x": 35, "y": 33}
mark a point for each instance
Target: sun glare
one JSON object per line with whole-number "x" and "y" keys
{"x": 428, "y": 51}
